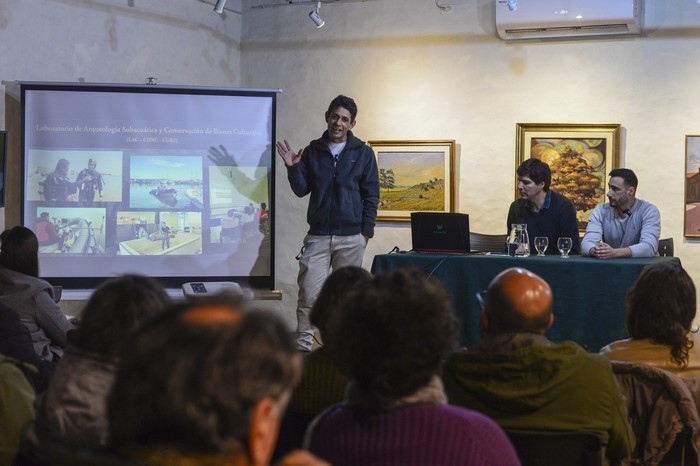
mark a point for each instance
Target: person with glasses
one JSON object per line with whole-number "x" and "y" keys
{"x": 339, "y": 172}
{"x": 526, "y": 382}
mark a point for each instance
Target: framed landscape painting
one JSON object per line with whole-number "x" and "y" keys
{"x": 691, "y": 223}
{"x": 414, "y": 176}
{"x": 579, "y": 155}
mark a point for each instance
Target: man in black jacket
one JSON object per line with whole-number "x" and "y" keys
{"x": 340, "y": 173}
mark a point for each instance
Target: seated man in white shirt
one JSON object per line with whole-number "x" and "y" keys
{"x": 624, "y": 227}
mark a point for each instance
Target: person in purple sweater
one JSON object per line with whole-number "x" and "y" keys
{"x": 389, "y": 337}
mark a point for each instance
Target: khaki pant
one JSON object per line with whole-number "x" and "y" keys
{"x": 321, "y": 254}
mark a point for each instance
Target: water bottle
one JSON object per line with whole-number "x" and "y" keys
{"x": 518, "y": 241}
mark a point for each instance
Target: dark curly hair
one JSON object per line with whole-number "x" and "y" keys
{"x": 335, "y": 289}
{"x": 346, "y": 102}
{"x": 661, "y": 306}
{"x": 391, "y": 334}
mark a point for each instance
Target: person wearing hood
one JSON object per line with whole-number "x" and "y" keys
{"x": 340, "y": 173}
{"x": 523, "y": 381}
{"x": 30, "y": 297}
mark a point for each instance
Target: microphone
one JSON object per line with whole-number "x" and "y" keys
{"x": 628, "y": 212}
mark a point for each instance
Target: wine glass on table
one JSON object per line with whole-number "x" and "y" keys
{"x": 541, "y": 244}
{"x": 564, "y": 245}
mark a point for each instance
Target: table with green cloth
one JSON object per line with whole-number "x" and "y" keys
{"x": 589, "y": 294}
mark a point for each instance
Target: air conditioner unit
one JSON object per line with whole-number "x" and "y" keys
{"x": 545, "y": 19}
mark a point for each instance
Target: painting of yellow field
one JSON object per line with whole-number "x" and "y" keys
{"x": 414, "y": 176}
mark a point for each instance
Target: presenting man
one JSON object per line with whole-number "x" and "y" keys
{"x": 545, "y": 212}
{"x": 624, "y": 227}
{"x": 523, "y": 381}
{"x": 340, "y": 173}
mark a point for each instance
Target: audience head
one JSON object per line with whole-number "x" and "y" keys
{"x": 207, "y": 380}
{"x": 115, "y": 310}
{"x": 537, "y": 171}
{"x": 517, "y": 300}
{"x": 335, "y": 289}
{"x": 661, "y": 306}
{"x": 390, "y": 334}
{"x": 19, "y": 250}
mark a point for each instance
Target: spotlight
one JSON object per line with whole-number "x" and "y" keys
{"x": 315, "y": 17}
{"x": 219, "y": 8}
{"x": 512, "y": 5}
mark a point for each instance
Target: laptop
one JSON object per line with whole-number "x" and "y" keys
{"x": 440, "y": 232}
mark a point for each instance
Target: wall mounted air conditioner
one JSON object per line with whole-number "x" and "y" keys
{"x": 545, "y": 19}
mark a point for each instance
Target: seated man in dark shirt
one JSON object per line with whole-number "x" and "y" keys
{"x": 545, "y": 212}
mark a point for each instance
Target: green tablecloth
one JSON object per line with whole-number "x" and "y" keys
{"x": 589, "y": 294}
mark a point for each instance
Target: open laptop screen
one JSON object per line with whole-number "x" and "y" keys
{"x": 440, "y": 232}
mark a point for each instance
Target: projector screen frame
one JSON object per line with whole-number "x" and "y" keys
{"x": 267, "y": 161}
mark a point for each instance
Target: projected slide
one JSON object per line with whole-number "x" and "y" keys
{"x": 174, "y": 183}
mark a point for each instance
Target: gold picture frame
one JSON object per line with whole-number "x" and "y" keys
{"x": 414, "y": 176}
{"x": 580, "y": 156}
{"x": 691, "y": 216}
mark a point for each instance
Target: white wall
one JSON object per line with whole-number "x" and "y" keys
{"x": 181, "y": 42}
{"x": 418, "y": 73}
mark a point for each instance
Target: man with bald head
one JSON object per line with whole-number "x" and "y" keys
{"x": 526, "y": 382}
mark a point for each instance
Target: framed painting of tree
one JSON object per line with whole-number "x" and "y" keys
{"x": 414, "y": 176}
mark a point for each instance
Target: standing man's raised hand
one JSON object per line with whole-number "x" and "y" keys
{"x": 287, "y": 153}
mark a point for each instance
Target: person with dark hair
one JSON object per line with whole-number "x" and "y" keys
{"x": 89, "y": 181}
{"x": 57, "y": 186}
{"x": 545, "y": 212}
{"x": 30, "y": 297}
{"x": 525, "y": 382}
{"x": 73, "y": 411}
{"x": 625, "y": 226}
{"x": 660, "y": 312}
{"x": 340, "y": 173}
{"x": 166, "y": 232}
{"x": 217, "y": 399}
{"x": 389, "y": 337}
{"x": 322, "y": 383}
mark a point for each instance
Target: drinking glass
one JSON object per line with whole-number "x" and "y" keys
{"x": 541, "y": 243}
{"x": 564, "y": 246}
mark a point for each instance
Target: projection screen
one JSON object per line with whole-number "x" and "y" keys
{"x": 175, "y": 183}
